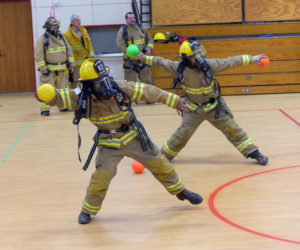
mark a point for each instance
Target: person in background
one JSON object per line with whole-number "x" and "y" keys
{"x": 134, "y": 33}
{"x": 203, "y": 95}
{"x": 54, "y": 58}
{"x": 81, "y": 44}
{"x": 107, "y": 104}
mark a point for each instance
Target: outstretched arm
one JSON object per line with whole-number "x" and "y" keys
{"x": 166, "y": 65}
{"x": 219, "y": 65}
{"x": 62, "y": 98}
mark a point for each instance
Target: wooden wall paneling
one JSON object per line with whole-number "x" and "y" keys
{"x": 17, "y": 64}
{"x": 242, "y": 80}
{"x": 178, "y": 12}
{"x": 264, "y": 89}
{"x": 219, "y": 30}
{"x": 271, "y": 10}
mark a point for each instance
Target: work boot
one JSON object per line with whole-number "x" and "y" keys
{"x": 259, "y": 157}
{"x": 190, "y": 196}
{"x": 64, "y": 110}
{"x": 45, "y": 113}
{"x": 84, "y": 218}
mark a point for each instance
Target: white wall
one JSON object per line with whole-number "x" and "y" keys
{"x": 92, "y": 12}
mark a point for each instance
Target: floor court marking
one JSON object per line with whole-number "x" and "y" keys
{"x": 214, "y": 210}
{"x": 13, "y": 146}
{"x": 288, "y": 116}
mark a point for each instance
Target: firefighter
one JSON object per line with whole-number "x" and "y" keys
{"x": 54, "y": 59}
{"x": 81, "y": 44}
{"x": 202, "y": 91}
{"x": 133, "y": 33}
{"x": 107, "y": 104}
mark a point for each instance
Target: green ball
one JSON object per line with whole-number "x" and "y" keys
{"x": 132, "y": 50}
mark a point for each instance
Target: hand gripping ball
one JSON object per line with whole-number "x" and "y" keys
{"x": 264, "y": 62}
{"x": 137, "y": 167}
{"x": 46, "y": 92}
{"x": 132, "y": 50}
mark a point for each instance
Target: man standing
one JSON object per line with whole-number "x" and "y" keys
{"x": 133, "y": 33}
{"x": 53, "y": 57}
{"x": 81, "y": 44}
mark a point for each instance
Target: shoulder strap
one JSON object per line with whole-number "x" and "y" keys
{"x": 179, "y": 77}
{"x": 125, "y": 34}
{"x": 46, "y": 44}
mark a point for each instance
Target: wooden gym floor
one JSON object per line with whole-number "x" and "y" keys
{"x": 246, "y": 206}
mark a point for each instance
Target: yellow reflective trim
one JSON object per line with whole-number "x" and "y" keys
{"x": 246, "y": 59}
{"x": 117, "y": 142}
{"x": 89, "y": 205}
{"x": 109, "y": 119}
{"x": 43, "y": 105}
{"x": 244, "y": 144}
{"x": 210, "y": 106}
{"x": 63, "y": 97}
{"x": 171, "y": 100}
{"x": 56, "y": 67}
{"x": 199, "y": 91}
{"x": 179, "y": 185}
{"x": 191, "y": 106}
{"x": 168, "y": 150}
{"x": 138, "y": 92}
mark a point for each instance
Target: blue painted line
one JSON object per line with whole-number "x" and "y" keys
{"x": 11, "y": 149}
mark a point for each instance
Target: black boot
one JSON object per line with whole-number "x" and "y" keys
{"x": 84, "y": 218}
{"x": 259, "y": 157}
{"x": 190, "y": 196}
{"x": 45, "y": 113}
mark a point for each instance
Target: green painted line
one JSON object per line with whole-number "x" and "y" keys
{"x": 13, "y": 146}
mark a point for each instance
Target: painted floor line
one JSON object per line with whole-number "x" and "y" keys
{"x": 288, "y": 116}
{"x": 13, "y": 146}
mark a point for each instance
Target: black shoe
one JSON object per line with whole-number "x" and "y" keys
{"x": 64, "y": 110}
{"x": 45, "y": 113}
{"x": 259, "y": 157}
{"x": 84, "y": 218}
{"x": 190, "y": 196}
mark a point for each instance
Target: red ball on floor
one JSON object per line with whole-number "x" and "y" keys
{"x": 137, "y": 167}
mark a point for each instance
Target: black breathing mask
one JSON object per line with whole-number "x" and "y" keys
{"x": 54, "y": 32}
{"x": 102, "y": 86}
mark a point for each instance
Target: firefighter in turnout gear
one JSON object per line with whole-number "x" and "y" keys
{"x": 133, "y": 33}
{"x": 107, "y": 104}
{"x": 202, "y": 91}
{"x": 81, "y": 44}
{"x": 54, "y": 58}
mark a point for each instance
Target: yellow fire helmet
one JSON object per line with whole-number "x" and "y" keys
{"x": 88, "y": 72}
{"x": 160, "y": 37}
{"x": 185, "y": 49}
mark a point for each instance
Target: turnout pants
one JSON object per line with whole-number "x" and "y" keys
{"x": 106, "y": 168}
{"x": 59, "y": 79}
{"x": 226, "y": 124}
{"x": 145, "y": 75}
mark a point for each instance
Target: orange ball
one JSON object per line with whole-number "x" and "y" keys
{"x": 137, "y": 167}
{"x": 264, "y": 62}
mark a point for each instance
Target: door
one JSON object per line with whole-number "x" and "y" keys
{"x": 17, "y": 73}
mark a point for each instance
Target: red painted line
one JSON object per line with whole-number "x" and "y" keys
{"x": 289, "y": 117}
{"x": 214, "y": 210}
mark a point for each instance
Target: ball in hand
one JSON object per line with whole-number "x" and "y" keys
{"x": 46, "y": 92}
{"x": 137, "y": 167}
{"x": 132, "y": 50}
{"x": 264, "y": 62}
